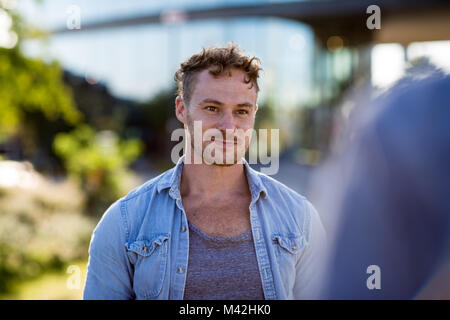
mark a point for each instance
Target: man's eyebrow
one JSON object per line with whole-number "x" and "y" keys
{"x": 245, "y": 104}
{"x": 209, "y": 100}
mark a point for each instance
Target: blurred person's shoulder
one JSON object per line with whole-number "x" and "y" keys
{"x": 411, "y": 100}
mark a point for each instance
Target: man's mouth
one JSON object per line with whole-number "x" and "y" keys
{"x": 225, "y": 142}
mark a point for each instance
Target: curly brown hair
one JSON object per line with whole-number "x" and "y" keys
{"x": 216, "y": 59}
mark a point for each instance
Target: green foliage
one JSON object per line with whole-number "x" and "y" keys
{"x": 45, "y": 227}
{"x": 98, "y": 161}
{"x": 29, "y": 85}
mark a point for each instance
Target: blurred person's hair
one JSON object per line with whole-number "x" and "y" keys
{"x": 217, "y": 60}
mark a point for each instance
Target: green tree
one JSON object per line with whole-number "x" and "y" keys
{"x": 98, "y": 161}
{"x": 29, "y": 85}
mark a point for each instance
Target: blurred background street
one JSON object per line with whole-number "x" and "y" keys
{"x": 87, "y": 102}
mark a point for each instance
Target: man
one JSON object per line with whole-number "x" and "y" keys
{"x": 215, "y": 229}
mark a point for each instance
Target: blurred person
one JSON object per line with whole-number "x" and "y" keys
{"x": 388, "y": 196}
{"x": 209, "y": 230}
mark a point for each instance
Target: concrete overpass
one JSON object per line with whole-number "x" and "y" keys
{"x": 402, "y": 21}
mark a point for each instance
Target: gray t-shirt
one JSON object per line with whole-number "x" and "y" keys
{"x": 222, "y": 268}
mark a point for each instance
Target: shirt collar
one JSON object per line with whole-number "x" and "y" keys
{"x": 255, "y": 183}
{"x": 172, "y": 180}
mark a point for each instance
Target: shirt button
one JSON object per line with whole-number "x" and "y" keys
{"x": 180, "y": 270}
{"x": 294, "y": 247}
{"x": 145, "y": 249}
{"x": 183, "y": 229}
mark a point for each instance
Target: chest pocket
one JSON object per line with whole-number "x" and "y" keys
{"x": 288, "y": 243}
{"x": 149, "y": 257}
{"x": 287, "y": 248}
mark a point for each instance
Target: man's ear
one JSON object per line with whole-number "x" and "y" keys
{"x": 256, "y": 108}
{"x": 180, "y": 109}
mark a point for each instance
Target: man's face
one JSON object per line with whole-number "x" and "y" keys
{"x": 225, "y": 104}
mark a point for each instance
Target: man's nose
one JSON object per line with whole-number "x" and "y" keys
{"x": 226, "y": 121}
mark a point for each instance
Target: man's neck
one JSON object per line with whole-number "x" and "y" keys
{"x": 212, "y": 180}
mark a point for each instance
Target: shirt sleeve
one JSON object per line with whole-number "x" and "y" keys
{"x": 311, "y": 263}
{"x": 109, "y": 272}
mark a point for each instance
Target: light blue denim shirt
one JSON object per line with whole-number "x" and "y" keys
{"x": 139, "y": 249}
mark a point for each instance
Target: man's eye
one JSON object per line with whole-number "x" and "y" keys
{"x": 211, "y": 108}
{"x": 242, "y": 111}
